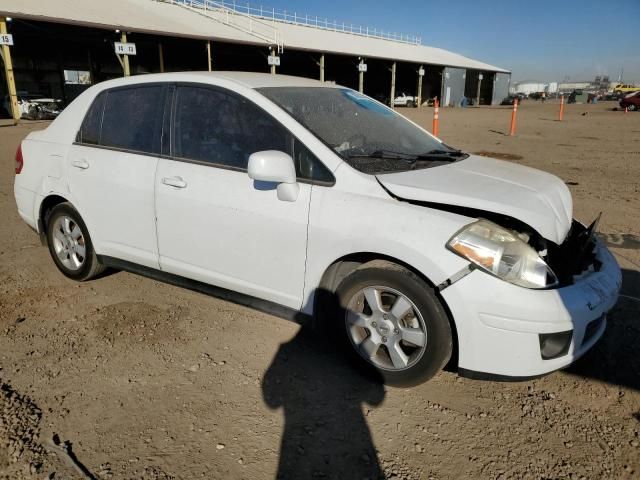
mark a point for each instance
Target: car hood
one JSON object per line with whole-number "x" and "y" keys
{"x": 537, "y": 198}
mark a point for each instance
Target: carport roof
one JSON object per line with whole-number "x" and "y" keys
{"x": 149, "y": 16}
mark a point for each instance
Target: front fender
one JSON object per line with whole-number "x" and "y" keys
{"x": 344, "y": 223}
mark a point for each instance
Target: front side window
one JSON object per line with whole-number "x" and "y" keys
{"x": 132, "y": 118}
{"x": 223, "y": 129}
{"x": 365, "y": 133}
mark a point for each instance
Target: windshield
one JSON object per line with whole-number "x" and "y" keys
{"x": 369, "y": 136}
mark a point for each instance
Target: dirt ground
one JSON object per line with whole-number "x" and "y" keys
{"x": 147, "y": 380}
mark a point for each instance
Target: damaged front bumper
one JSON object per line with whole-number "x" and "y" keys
{"x": 502, "y": 328}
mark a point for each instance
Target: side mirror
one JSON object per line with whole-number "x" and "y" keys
{"x": 275, "y": 167}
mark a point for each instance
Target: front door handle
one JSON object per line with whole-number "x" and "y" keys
{"x": 83, "y": 164}
{"x": 177, "y": 182}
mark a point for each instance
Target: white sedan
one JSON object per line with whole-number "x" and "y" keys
{"x": 312, "y": 200}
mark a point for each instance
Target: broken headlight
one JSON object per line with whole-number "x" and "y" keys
{"x": 502, "y": 253}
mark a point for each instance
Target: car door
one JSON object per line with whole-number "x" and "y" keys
{"x": 214, "y": 223}
{"x": 112, "y": 168}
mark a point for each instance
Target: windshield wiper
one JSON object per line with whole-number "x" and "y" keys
{"x": 409, "y": 157}
{"x": 442, "y": 153}
{"x": 385, "y": 154}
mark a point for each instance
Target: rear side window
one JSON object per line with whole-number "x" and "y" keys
{"x": 132, "y": 118}
{"x": 90, "y": 131}
{"x": 223, "y": 129}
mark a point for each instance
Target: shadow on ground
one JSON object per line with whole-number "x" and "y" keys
{"x": 615, "y": 359}
{"x": 325, "y": 433}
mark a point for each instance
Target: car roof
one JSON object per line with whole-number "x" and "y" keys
{"x": 246, "y": 79}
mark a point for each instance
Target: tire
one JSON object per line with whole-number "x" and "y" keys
{"x": 70, "y": 245}
{"x": 418, "y": 332}
{"x": 410, "y": 104}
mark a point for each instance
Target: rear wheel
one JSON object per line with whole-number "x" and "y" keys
{"x": 70, "y": 245}
{"x": 392, "y": 324}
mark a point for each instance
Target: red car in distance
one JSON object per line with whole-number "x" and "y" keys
{"x": 631, "y": 101}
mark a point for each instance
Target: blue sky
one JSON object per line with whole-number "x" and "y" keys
{"x": 540, "y": 40}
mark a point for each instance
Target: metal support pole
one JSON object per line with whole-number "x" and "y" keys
{"x": 478, "y": 93}
{"x": 125, "y": 60}
{"x": 322, "y": 67}
{"x": 209, "y": 54}
{"x": 8, "y": 70}
{"x": 420, "y": 88}
{"x": 273, "y": 67}
{"x": 361, "y": 77}
{"x": 393, "y": 85}
{"x": 161, "y": 57}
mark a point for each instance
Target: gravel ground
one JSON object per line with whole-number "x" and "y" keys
{"x": 149, "y": 381}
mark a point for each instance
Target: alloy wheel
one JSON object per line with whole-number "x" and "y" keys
{"x": 386, "y": 328}
{"x": 69, "y": 243}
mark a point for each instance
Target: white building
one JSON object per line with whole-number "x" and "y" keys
{"x": 528, "y": 87}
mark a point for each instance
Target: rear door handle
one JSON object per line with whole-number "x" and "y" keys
{"x": 177, "y": 182}
{"x": 83, "y": 164}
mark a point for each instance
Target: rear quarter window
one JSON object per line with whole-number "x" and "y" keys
{"x": 89, "y": 132}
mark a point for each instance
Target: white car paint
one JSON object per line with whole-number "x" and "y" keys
{"x": 216, "y": 226}
{"x": 115, "y": 193}
{"x": 539, "y": 199}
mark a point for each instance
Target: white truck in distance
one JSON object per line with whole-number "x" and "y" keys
{"x": 404, "y": 100}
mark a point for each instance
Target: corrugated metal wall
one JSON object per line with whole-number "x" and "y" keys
{"x": 500, "y": 87}
{"x": 452, "y": 86}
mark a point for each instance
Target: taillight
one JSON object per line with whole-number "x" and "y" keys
{"x": 19, "y": 160}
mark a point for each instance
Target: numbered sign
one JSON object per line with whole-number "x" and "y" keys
{"x": 125, "y": 48}
{"x": 273, "y": 60}
{"x": 362, "y": 67}
{"x": 6, "y": 39}
{"x": 421, "y": 72}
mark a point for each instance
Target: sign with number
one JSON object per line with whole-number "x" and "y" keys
{"x": 125, "y": 48}
{"x": 362, "y": 67}
{"x": 6, "y": 39}
{"x": 480, "y": 76}
{"x": 421, "y": 72}
{"x": 273, "y": 60}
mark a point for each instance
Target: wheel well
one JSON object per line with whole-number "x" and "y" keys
{"x": 45, "y": 208}
{"x": 339, "y": 269}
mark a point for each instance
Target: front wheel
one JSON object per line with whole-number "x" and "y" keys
{"x": 70, "y": 245}
{"x": 392, "y": 324}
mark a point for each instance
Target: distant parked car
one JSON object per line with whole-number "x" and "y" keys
{"x": 609, "y": 96}
{"x": 573, "y": 96}
{"x": 625, "y": 88}
{"x": 404, "y": 100}
{"x": 35, "y": 106}
{"x": 631, "y": 101}
{"x": 509, "y": 100}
